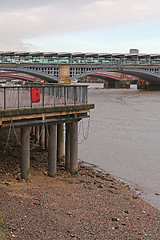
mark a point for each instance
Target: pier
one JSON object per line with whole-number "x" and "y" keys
{"x": 50, "y": 113}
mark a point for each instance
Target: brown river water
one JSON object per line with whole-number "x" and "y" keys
{"x": 124, "y": 137}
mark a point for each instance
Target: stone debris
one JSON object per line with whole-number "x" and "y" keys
{"x": 91, "y": 205}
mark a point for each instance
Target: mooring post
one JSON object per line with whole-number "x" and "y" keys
{"x": 52, "y": 150}
{"x": 25, "y": 158}
{"x": 67, "y": 147}
{"x": 74, "y": 148}
{"x": 60, "y": 142}
{"x": 42, "y": 136}
{"x": 37, "y": 134}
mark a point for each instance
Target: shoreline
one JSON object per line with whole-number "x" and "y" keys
{"x": 89, "y": 205}
{"x": 141, "y": 192}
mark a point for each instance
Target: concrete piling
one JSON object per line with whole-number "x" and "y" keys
{"x": 74, "y": 148}
{"x": 60, "y": 142}
{"x": 67, "y": 147}
{"x": 52, "y": 151}
{"x": 52, "y": 138}
{"x": 25, "y": 159}
{"x": 46, "y": 138}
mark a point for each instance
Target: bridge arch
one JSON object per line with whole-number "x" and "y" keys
{"x": 146, "y": 75}
{"x": 44, "y": 76}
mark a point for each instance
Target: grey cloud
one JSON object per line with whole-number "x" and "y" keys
{"x": 21, "y": 20}
{"x": 9, "y": 5}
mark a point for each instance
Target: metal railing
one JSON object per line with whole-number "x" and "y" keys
{"x": 35, "y": 96}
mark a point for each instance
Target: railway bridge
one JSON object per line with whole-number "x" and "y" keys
{"x": 67, "y": 73}
{"x": 66, "y": 67}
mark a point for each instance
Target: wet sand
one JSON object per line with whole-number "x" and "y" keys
{"x": 90, "y": 205}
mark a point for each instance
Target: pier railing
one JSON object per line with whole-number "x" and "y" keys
{"x": 35, "y": 96}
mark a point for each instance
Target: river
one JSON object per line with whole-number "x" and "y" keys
{"x": 124, "y": 137}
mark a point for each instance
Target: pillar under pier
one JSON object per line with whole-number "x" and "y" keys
{"x": 67, "y": 147}
{"x": 74, "y": 148}
{"x": 25, "y": 158}
{"x": 46, "y": 138}
{"x": 52, "y": 150}
{"x": 60, "y": 142}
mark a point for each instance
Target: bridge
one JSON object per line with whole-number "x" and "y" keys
{"x": 65, "y": 67}
{"x": 16, "y": 76}
{"x": 111, "y": 80}
{"x": 118, "y": 77}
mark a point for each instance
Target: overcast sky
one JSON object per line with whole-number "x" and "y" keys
{"x": 80, "y": 25}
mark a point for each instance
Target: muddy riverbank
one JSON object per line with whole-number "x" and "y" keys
{"x": 90, "y": 205}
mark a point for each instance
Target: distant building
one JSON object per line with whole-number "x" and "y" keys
{"x": 134, "y": 51}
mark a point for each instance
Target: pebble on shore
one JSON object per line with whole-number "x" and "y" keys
{"x": 90, "y": 205}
